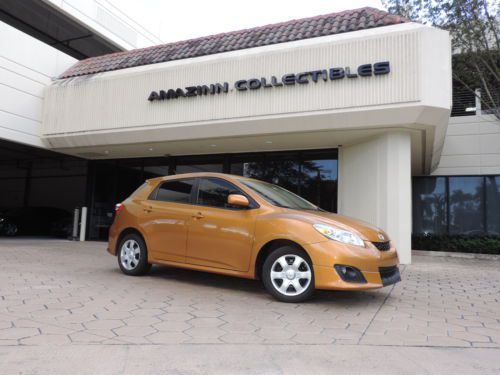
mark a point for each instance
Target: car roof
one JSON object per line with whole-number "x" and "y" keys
{"x": 198, "y": 174}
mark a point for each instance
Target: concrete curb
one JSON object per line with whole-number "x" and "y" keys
{"x": 456, "y": 255}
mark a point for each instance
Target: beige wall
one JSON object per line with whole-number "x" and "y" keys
{"x": 27, "y": 66}
{"x": 375, "y": 186}
{"x": 471, "y": 147}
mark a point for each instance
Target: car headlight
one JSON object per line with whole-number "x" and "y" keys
{"x": 339, "y": 235}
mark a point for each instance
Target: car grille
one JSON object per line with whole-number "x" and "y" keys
{"x": 382, "y": 246}
{"x": 389, "y": 275}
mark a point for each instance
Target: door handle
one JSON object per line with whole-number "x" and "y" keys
{"x": 198, "y": 215}
{"x": 148, "y": 209}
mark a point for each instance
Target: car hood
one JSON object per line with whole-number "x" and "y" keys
{"x": 365, "y": 230}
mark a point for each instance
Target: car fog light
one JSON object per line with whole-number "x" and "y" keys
{"x": 350, "y": 274}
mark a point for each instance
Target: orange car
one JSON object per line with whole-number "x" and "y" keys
{"x": 243, "y": 227}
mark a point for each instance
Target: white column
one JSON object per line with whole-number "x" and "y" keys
{"x": 375, "y": 186}
{"x": 83, "y": 224}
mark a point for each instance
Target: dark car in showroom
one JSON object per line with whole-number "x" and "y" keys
{"x": 39, "y": 221}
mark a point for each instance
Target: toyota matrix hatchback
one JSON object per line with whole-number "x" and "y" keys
{"x": 248, "y": 228}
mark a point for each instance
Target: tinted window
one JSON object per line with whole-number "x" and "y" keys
{"x": 175, "y": 191}
{"x": 429, "y": 205}
{"x": 309, "y": 174}
{"x": 319, "y": 183}
{"x": 493, "y": 204}
{"x": 466, "y": 205}
{"x": 214, "y": 192}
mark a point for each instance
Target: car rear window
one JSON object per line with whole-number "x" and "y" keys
{"x": 178, "y": 191}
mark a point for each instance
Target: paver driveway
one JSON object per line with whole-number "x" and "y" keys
{"x": 61, "y": 293}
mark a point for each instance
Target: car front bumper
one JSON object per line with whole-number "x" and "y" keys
{"x": 379, "y": 268}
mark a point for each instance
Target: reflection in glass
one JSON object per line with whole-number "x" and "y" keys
{"x": 319, "y": 183}
{"x": 493, "y": 205}
{"x": 429, "y": 205}
{"x": 466, "y": 205}
{"x": 311, "y": 175}
{"x": 281, "y": 171}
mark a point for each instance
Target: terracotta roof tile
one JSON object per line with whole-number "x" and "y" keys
{"x": 328, "y": 24}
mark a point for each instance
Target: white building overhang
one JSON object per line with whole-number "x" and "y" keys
{"x": 108, "y": 115}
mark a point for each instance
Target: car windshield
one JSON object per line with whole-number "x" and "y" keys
{"x": 278, "y": 196}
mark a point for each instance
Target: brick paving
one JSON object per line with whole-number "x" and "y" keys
{"x": 66, "y": 293}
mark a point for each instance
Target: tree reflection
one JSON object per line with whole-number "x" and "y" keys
{"x": 314, "y": 180}
{"x": 493, "y": 204}
{"x": 466, "y": 211}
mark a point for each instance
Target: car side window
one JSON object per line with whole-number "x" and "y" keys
{"x": 213, "y": 192}
{"x": 178, "y": 191}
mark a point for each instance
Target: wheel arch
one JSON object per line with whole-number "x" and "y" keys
{"x": 268, "y": 248}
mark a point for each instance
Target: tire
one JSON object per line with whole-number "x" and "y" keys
{"x": 133, "y": 255}
{"x": 283, "y": 269}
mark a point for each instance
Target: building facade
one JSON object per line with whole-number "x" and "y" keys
{"x": 342, "y": 109}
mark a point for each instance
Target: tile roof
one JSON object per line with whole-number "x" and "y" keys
{"x": 305, "y": 28}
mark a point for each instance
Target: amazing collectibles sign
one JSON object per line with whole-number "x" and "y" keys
{"x": 332, "y": 74}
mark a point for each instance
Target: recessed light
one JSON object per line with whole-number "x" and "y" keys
{"x": 213, "y": 145}
{"x": 151, "y": 149}
{"x": 269, "y": 142}
{"x": 106, "y": 152}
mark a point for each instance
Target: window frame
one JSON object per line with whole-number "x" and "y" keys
{"x": 154, "y": 194}
{"x": 252, "y": 202}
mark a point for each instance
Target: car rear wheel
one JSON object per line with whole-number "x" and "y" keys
{"x": 133, "y": 255}
{"x": 288, "y": 274}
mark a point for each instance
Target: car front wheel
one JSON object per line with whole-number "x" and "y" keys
{"x": 288, "y": 274}
{"x": 133, "y": 255}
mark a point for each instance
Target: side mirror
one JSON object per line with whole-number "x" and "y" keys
{"x": 238, "y": 200}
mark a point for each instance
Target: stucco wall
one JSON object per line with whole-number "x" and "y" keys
{"x": 471, "y": 147}
{"x": 27, "y": 66}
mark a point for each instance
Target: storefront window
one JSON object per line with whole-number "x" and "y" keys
{"x": 456, "y": 205}
{"x": 310, "y": 174}
{"x": 319, "y": 183}
{"x": 282, "y": 169}
{"x": 429, "y": 205}
{"x": 466, "y": 205}
{"x": 155, "y": 167}
{"x": 192, "y": 164}
{"x": 128, "y": 177}
{"x": 493, "y": 205}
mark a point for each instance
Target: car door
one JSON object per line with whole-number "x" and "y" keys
{"x": 166, "y": 217}
{"x": 219, "y": 235}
